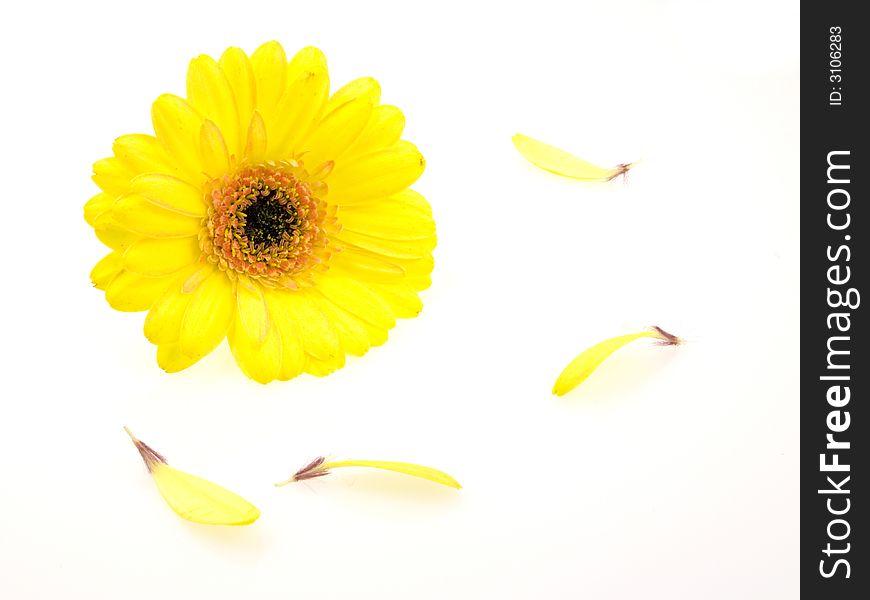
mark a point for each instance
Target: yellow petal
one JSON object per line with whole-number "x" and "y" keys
{"x": 252, "y": 314}
{"x": 138, "y": 214}
{"x": 107, "y": 269}
{"x": 357, "y": 299}
{"x": 560, "y": 162}
{"x": 315, "y": 331}
{"x": 98, "y": 206}
{"x": 192, "y": 497}
{"x": 384, "y": 129}
{"x": 366, "y": 266}
{"x": 352, "y": 331}
{"x": 338, "y": 129}
{"x": 301, "y": 105}
{"x": 398, "y": 249}
{"x": 112, "y": 176}
{"x": 587, "y": 361}
{"x": 210, "y": 93}
{"x": 346, "y": 115}
{"x": 209, "y": 314}
{"x": 256, "y": 145}
{"x": 363, "y": 87}
{"x": 171, "y": 359}
{"x": 177, "y": 126}
{"x": 323, "y": 367}
{"x": 321, "y": 466}
{"x": 163, "y": 323}
{"x": 259, "y": 359}
{"x": 213, "y": 150}
{"x": 292, "y": 349}
{"x": 155, "y": 257}
{"x": 376, "y": 175}
{"x": 269, "y": 64}
{"x": 142, "y": 154}
{"x": 399, "y": 467}
{"x": 112, "y": 234}
{"x": 403, "y": 301}
{"x": 377, "y": 335}
{"x": 170, "y": 193}
{"x": 414, "y": 199}
{"x": 392, "y": 218}
{"x": 417, "y": 272}
{"x": 201, "y": 501}
{"x": 240, "y": 75}
{"x": 348, "y": 324}
{"x": 130, "y": 292}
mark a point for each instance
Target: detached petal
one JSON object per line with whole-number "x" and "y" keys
{"x": 587, "y": 361}
{"x": 560, "y": 162}
{"x": 201, "y": 501}
{"x": 414, "y": 470}
{"x": 192, "y": 497}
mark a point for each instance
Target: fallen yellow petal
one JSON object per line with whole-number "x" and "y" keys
{"x": 320, "y": 467}
{"x": 582, "y": 367}
{"x": 192, "y": 497}
{"x": 560, "y": 162}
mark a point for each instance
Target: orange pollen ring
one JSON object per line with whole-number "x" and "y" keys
{"x": 264, "y": 222}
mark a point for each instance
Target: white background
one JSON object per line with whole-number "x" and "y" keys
{"x": 672, "y": 473}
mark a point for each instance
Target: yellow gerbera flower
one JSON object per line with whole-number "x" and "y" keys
{"x": 268, "y": 212}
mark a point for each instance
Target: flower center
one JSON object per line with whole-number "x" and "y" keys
{"x": 267, "y": 219}
{"x": 265, "y": 222}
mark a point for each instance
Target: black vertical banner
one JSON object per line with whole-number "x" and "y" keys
{"x": 835, "y": 362}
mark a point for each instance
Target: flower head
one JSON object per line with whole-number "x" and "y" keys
{"x": 268, "y": 212}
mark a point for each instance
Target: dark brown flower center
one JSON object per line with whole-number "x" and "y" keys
{"x": 268, "y": 220}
